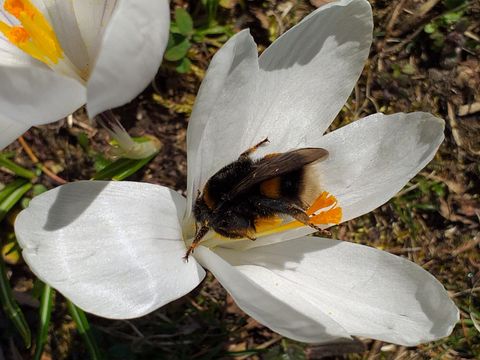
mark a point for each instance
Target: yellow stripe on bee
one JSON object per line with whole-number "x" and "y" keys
{"x": 271, "y": 188}
{"x": 36, "y": 37}
{"x": 208, "y": 199}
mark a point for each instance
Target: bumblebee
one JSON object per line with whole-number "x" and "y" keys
{"x": 240, "y": 194}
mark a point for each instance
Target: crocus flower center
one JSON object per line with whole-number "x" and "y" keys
{"x": 323, "y": 212}
{"x": 35, "y": 36}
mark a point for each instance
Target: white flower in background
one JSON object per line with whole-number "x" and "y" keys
{"x": 57, "y": 55}
{"x": 116, "y": 248}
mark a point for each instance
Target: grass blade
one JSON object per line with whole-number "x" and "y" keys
{"x": 11, "y": 308}
{"x": 7, "y": 190}
{"x": 122, "y": 168}
{"x": 9, "y": 202}
{"x": 16, "y": 169}
{"x": 46, "y": 302}
{"x": 83, "y": 328}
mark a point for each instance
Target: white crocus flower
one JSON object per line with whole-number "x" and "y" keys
{"x": 57, "y": 55}
{"x": 116, "y": 248}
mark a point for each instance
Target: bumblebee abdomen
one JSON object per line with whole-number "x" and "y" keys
{"x": 288, "y": 185}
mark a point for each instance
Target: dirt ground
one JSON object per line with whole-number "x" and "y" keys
{"x": 425, "y": 57}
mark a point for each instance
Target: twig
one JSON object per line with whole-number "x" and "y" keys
{"x": 395, "y": 14}
{"x": 42, "y": 167}
{"x": 377, "y": 345}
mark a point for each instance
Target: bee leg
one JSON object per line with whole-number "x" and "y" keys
{"x": 253, "y": 238}
{"x": 254, "y": 148}
{"x": 295, "y": 211}
{"x": 198, "y": 236}
{"x": 300, "y": 215}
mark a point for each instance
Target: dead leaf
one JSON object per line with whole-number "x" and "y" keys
{"x": 318, "y": 3}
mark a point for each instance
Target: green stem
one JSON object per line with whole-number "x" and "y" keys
{"x": 11, "y": 308}
{"x": 9, "y": 202}
{"x": 17, "y": 169}
{"x": 46, "y": 303}
{"x": 83, "y": 328}
{"x": 9, "y": 188}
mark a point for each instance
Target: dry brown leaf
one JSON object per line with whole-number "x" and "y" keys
{"x": 318, "y": 3}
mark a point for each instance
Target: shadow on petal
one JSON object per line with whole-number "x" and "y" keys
{"x": 307, "y": 39}
{"x": 70, "y": 205}
{"x": 443, "y": 312}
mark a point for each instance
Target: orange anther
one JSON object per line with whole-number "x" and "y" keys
{"x": 16, "y": 7}
{"x": 332, "y": 216}
{"x": 323, "y": 201}
{"x": 18, "y": 35}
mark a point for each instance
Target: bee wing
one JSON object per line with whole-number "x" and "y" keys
{"x": 278, "y": 164}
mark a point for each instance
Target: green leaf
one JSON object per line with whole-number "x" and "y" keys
{"x": 17, "y": 169}
{"x": 100, "y": 162}
{"x": 184, "y": 21}
{"x": 83, "y": 328}
{"x": 214, "y": 30}
{"x": 178, "y": 50}
{"x": 11, "y": 308}
{"x": 184, "y": 66}
{"x": 7, "y": 190}
{"x": 45, "y": 311}
{"x": 430, "y": 28}
{"x": 211, "y": 6}
{"x": 133, "y": 167}
{"x": 122, "y": 168}
{"x": 409, "y": 69}
{"x": 38, "y": 189}
{"x": 9, "y": 202}
{"x": 452, "y": 17}
{"x": 83, "y": 141}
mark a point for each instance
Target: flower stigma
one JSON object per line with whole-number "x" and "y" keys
{"x": 35, "y": 36}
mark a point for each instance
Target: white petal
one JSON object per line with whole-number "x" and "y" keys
{"x": 222, "y": 110}
{"x": 308, "y": 73}
{"x": 62, "y": 16}
{"x": 371, "y": 159}
{"x": 277, "y": 308}
{"x": 368, "y": 292}
{"x": 9, "y": 131}
{"x": 93, "y": 16}
{"x": 130, "y": 53}
{"x": 33, "y": 94}
{"x": 114, "y": 248}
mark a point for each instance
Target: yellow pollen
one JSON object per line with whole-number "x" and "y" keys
{"x": 36, "y": 37}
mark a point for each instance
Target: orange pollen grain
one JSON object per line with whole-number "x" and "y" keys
{"x": 18, "y": 35}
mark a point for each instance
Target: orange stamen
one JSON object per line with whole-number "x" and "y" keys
{"x": 18, "y": 35}
{"x": 16, "y": 7}
{"x": 331, "y": 216}
{"x": 323, "y": 201}
{"x": 323, "y": 211}
{"x": 36, "y": 37}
